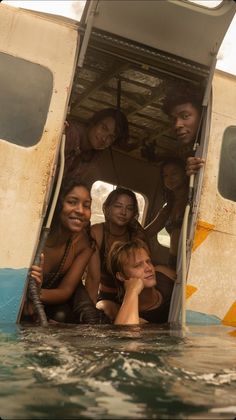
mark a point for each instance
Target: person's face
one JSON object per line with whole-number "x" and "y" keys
{"x": 137, "y": 264}
{"x": 185, "y": 120}
{"x": 76, "y": 209}
{"x": 173, "y": 177}
{"x": 121, "y": 212}
{"x": 102, "y": 135}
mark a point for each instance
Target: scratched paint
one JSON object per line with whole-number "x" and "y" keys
{"x": 27, "y": 173}
{"x": 212, "y": 265}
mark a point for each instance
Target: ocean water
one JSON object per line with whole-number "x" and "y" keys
{"x": 111, "y": 372}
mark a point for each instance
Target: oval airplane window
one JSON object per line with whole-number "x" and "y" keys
{"x": 227, "y": 171}
{"x": 163, "y": 238}
{"x": 26, "y": 90}
{"x": 99, "y": 192}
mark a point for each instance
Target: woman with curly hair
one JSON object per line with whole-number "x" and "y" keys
{"x": 67, "y": 251}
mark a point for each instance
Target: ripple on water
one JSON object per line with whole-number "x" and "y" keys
{"x": 111, "y": 372}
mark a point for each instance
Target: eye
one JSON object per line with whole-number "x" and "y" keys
{"x": 138, "y": 265}
{"x": 87, "y": 206}
{"x": 71, "y": 202}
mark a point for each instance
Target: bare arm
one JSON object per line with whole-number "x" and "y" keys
{"x": 94, "y": 268}
{"x": 93, "y": 276}
{"x": 129, "y": 311}
{"x": 70, "y": 281}
{"x": 158, "y": 222}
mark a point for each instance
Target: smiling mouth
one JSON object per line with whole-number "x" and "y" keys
{"x": 151, "y": 277}
{"x": 76, "y": 219}
{"x": 122, "y": 219}
{"x": 181, "y": 135}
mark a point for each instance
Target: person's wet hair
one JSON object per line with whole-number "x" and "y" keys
{"x": 121, "y": 123}
{"x": 182, "y": 94}
{"x": 119, "y": 250}
{"x": 115, "y": 259}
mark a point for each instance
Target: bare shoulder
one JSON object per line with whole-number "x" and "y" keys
{"x": 81, "y": 242}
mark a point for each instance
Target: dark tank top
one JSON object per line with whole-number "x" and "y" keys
{"x": 160, "y": 314}
{"x": 106, "y": 278}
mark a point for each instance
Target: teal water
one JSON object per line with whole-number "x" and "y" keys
{"x": 104, "y": 372}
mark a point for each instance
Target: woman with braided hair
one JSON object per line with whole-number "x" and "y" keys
{"x": 67, "y": 251}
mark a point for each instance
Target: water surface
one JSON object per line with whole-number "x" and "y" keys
{"x": 109, "y": 372}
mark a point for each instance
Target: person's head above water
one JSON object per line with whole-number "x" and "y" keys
{"x": 131, "y": 260}
{"x": 121, "y": 206}
{"x": 107, "y": 127}
{"x": 73, "y": 209}
{"x": 183, "y": 106}
{"x": 173, "y": 174}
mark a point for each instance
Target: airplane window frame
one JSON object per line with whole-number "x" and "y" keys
{"x": 26, "y": 92}
{"x": 227, "y": 165}
{"x": 206, "y": 4}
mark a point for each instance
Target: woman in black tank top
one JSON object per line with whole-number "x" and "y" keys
{"x": 66, "y": 253}
{"x": 121, "y": 212}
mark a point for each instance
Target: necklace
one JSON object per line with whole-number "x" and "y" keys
{"x": 124, "y": 234}
{"x": 53, "y": 277}
{"x": 108, "y": 238}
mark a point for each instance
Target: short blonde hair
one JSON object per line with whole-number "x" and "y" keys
{"x": 119, "y": 250}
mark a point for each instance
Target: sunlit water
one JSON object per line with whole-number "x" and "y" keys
{"x": 104, "y": 372}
